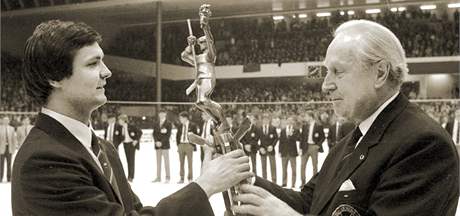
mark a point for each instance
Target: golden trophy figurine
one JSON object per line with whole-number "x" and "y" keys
{"x": 205, "y": 81}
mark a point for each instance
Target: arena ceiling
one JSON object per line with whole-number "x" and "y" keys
{"x": 135, "y": 12}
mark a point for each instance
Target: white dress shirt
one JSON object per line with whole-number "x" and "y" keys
{"x": 365, "y": 125}
{"x": 79, "y": 130}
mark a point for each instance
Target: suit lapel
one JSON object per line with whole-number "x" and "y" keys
{"x": 359, "y": 155}
{"x": 63, "y": 136}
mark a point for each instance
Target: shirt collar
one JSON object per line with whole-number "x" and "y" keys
{"x": 79, "y": 130}
{"x": 365, "y": 125}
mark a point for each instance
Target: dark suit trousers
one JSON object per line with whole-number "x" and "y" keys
{"x": 186, "y": 150}
{"x": 313, "y": 153}
{"x": 263, "y": 159}
{"x": 5, "y": 156}
{"x": 130, "y": 152}
{"x": 284, "y": 162}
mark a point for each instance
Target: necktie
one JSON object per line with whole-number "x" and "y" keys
{"x": 184, "y": 131}
{"x": 106, "y": 167}
{"x": 350, "y": 147}
{"x": 110, "y": 132}
{"x": 6, "y": 134}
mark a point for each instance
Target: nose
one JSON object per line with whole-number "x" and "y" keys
{"x": 328, "y": 84}
{"x": 105, "y": 72}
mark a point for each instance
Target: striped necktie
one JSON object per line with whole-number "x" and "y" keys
{"x": 106, "y": 167}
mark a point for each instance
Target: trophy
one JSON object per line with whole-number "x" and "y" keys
{"x": 224, "y": 140}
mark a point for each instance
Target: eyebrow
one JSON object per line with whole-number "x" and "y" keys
{"x": 96, "y": 57}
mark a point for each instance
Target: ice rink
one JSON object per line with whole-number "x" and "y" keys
{"x": 151, "y": 193}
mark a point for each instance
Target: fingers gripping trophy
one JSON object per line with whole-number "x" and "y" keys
{"x": 224, "y": 140}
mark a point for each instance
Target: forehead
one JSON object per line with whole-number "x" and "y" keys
{"x": 340, "y": 51}
{"x": 89, "y": 52}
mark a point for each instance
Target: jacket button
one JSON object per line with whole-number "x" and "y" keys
{"x": 346, "y": 195}
{"x": 361, "y": 157}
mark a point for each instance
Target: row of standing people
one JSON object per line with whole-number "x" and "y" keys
{"x": 273, "y": 134}
{"x": 10, "y": 140}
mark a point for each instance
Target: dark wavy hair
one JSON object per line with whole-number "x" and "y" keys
{"x": 49, "y": 54}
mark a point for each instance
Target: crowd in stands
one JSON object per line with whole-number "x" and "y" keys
{"x": 12, "y": 93}
{"x": 259, "y": 40}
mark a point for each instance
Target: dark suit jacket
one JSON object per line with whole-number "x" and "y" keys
{"x": 406, "y": 164}
{"x": 344, "y": 129}
{"x": 117, "y": 134}
{"x": 134, "y": 133}
{"x": 162, "y": 133}
{"x": 450, "y": 127}
{"x": 251, "y": 138}
{"x": 288, "y": 144}
{"x": 317, "y": 137}
{"x": 191, "y": 128}
{"x": 55, "y": 175}
{"x": 268, "y": 139}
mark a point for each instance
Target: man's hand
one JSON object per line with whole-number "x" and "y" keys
{"x": 135, "y": 142}
{"x": 191, "y": 40}
{"x": 158, "y": 144}
{"x": 247, "y": 148}
{"x": 257, "y": 201}
{"x": 262, "y": 150}
{"x": 270, "y": 148}
{"x": 223, "y": 172}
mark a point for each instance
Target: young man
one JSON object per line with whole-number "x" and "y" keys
{"x": 63, "y": 168}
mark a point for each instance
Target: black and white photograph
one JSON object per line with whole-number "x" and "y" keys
{"x": 230, "y": 108}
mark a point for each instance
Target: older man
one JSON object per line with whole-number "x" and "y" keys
{"x": 397, "y": 161}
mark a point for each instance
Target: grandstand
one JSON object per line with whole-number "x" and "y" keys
{"x": 266, "y": 53}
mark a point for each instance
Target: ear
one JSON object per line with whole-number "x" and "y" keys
{"x": 383, "y": 71}
{"x": 55, "y": 84}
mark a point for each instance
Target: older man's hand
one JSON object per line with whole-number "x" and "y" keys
{"x": 257, "y": 201}
{"x": 223, "y": 172}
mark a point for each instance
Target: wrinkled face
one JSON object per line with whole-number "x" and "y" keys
{"x": 85, "y": 87}
{"x": 347, "y": 83}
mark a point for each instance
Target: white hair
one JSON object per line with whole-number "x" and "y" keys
{"x": 377, "y": 45}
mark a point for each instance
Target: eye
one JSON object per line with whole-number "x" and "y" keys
{"x": 92, "y": 64}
